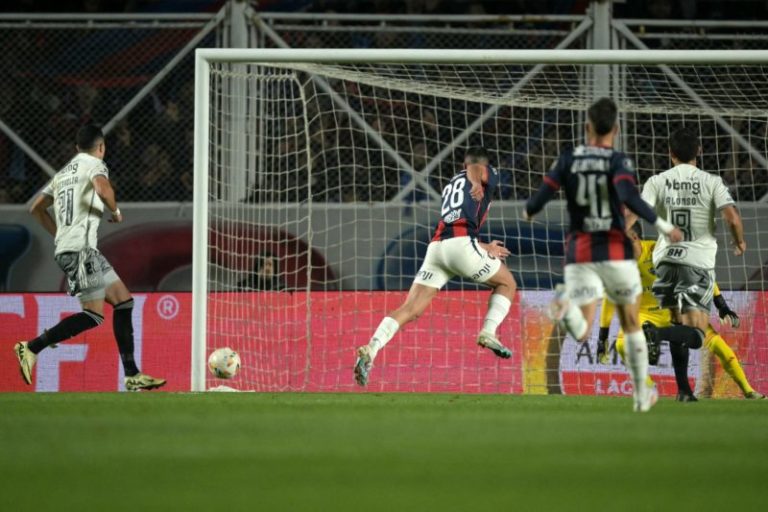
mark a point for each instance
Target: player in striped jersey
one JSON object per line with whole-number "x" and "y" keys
{"x": 651, "y": 312}
{"x": 455, "y": 250}
{"x": 598, "y": 181}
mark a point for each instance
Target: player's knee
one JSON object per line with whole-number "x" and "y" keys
{"x": 505, "y": 285}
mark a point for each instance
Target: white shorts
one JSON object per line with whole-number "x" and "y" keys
{"x": 618, "y": 280}
{"x": 460, "y": 256}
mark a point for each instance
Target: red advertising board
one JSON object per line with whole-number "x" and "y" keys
{"x": 90, "y": 362}
{"x": 295, "y": 342}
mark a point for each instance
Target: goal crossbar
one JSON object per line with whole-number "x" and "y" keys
{"x": 432, "y": 56}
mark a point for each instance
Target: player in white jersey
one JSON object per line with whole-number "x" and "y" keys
{"x": 689, "y": 198}
{"x": 79, "y": 193}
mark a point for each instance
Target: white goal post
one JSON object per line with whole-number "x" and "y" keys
{"x": 421, "y": 73}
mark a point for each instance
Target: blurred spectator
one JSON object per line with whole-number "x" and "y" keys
{"x": 123, "y": 158}
{"x": 158, "y": 181}
{"x": 265, "y": 275}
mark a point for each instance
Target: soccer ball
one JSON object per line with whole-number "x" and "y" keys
{"x": 224, "y": 363}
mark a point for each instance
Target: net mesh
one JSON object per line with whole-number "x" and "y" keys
{"x": 325, "y": 186}
{"x": 61, "y": 75}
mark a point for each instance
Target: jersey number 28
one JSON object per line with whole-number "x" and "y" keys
{"x": 453, "y": 195}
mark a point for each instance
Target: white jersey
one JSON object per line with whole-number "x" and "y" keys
{"x": 77, "y": 206}
{"x": 688, "y": 198}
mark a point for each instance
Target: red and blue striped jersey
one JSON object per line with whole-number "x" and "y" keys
{"x": 460, "y": 215}
{"x": 589, "y": 176}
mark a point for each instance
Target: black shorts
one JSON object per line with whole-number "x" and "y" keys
{"x": 684, "y": 287}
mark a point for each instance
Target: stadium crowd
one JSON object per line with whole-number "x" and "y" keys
{"x": 150, "y": 151}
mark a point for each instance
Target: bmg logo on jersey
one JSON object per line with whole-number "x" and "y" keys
{"x": 686, "y": 186}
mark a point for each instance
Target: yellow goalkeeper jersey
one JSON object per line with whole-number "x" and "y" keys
{"x": 647, "y": 276}
{"x": 648, "y": 303}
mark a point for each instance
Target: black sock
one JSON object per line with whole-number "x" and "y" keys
{"x": 691, "y": 337}
{"x": 679, "y": 354}
{"x": 122, "y": 323}
{"x": 62, "y": 331}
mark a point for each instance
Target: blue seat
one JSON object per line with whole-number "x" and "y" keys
{"x": 14, "y": 242}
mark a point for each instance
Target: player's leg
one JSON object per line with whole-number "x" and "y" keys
{"x": 690, "y": 310}
{"x": 122, "y": 324}
{"x": 680, "y": 354}
{"x": 85, "y": 281}
{"x": 575, "y": 301}
{"x": 623, "y": 288}
{"x": 504, "y": 286}
{"x": 636, "y": 357}
{"x": 621, "y": 350}
{"x": 465, "y": 257}
{"x": 419, "y": 297}
{"x": 120, "y": 298}
{"x": 730, "y": 363}
{"x": 429, "y": 279}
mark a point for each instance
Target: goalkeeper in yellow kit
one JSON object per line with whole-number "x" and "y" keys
{"x": 651, "y": 312}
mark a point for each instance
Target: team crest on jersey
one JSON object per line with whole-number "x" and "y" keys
{"x": 451, "y": 216}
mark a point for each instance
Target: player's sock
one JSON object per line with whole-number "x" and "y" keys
{"x": 690, "y": 336}
{"x": 498, "y": 307}
{"x": 680, "y": 354}
{"x": 622, "y": 351}
{"x": 384, "y": 332}
{"x": 637, "y": 359}
{"x": 730, "y": 362}
{"x": 574, "y": 322}
{"x": 67, "y": 328}
{"x": 122, "y": 326}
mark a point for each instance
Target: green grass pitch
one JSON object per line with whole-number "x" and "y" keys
{"x": 365, "y": 452}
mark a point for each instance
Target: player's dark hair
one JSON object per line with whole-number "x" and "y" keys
{"x": 637, "y": 227}
{"x": 477, "y": 155}
{"x": 89, "y": 136}
{"x": 684, "y": 144}
{"x": 602, "y": 114}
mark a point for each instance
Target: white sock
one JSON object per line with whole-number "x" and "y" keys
{"x": 574, "y": 322}
{"x": 384, "y": 332}
{"x": 498, "y": 307}
{"x": 637, "y": 359}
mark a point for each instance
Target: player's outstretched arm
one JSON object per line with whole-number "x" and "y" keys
{"x": 631, "y": 198}
{"x": 107, "y": 194}
{"x": 736, "y": 227}
{"x": 39, "y": 211}
{"x": 547, "y": 190}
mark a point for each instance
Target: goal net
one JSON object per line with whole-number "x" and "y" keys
{"x": 318, "y": 187}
